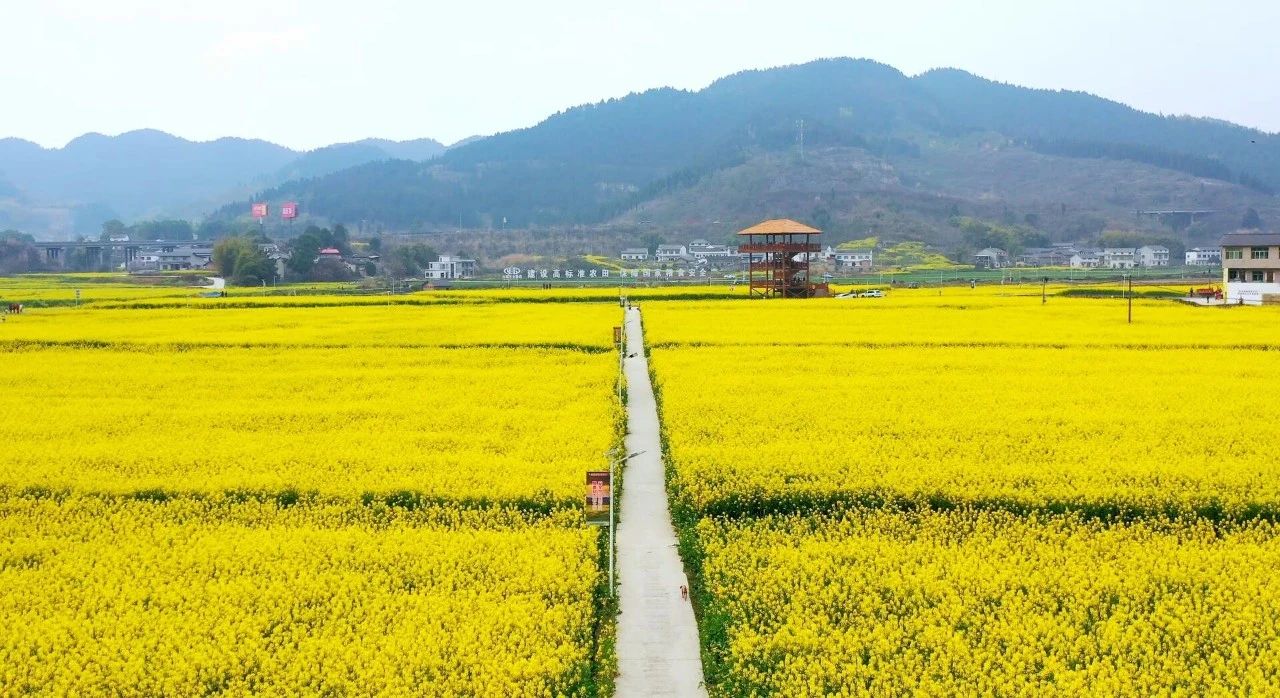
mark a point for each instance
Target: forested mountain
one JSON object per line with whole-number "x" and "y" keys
{"x": 151, "y": 173}
{"x": 865, "y": 129}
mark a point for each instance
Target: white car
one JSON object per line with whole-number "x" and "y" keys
{"x": 872, "y": 293}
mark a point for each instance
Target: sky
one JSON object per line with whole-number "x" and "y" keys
{"x": 306, "y": 74}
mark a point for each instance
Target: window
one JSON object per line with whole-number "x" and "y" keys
{"x": 1257, "y": 253}
{"x": 1233, "y": 275}
{"x": 1234, "y": 253}
{"x": 1255, "y": 277}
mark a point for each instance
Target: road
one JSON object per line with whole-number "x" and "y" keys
{"x": 658, "y": 653}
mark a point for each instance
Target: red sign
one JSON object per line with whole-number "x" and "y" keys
{"x": 289, "y": 211}
{"x": 260, "y": 210}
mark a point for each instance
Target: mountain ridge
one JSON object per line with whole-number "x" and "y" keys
{"x": 592, "y": 164}
{"x": 148, "y": 172}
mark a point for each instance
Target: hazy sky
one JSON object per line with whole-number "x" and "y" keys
{"x": 310, "y": 73}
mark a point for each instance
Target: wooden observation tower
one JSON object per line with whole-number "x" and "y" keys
{"x": 778, "y": 258}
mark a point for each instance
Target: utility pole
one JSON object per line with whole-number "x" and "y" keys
{"x": 1130, "y": 294}
{"x": 1044, "y": 285}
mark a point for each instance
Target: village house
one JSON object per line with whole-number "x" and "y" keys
{"x": 1204, "y": 257}
{"x": 1045, "y": 257}
{"x": 180, "y": 258}
{"x": 635, "y": 254}
{"x": 1086, "y": 259}
{"x": 362, "y": 264}
{"x": 851, "y": 259}
{"x": 701, "y": 249}
{"x": 1251, "y": 267}
{"x": 1152, "y": 256}
{"x": 1118, "y": 258}
{"x": 672, "y": 253}
{"x": 450, "y": 267}
{"x": 991, "y": 258}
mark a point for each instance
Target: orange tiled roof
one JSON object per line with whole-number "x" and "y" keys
{"x": 780, "y": 226}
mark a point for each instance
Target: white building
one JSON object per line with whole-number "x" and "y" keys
{"x": 1086, "y": 259}
{"x": 705, "y": 250}
{"x": 1204, "y": 257}
{"x": 672, "y": 253}
{"x": 852, "y": 259}
{"x": 634, "y": 254}
{"x": 1119, "y": 258}
{"x": 1152, "y": 256}
{"x": 450, "y": 267}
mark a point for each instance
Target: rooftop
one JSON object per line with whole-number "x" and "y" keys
{"x": 1251, "y": 237}
{"x": 780, "y": 226}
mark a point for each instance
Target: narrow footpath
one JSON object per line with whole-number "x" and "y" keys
{"x": 658, "y": 653}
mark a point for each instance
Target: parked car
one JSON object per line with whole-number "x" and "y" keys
{"x": 872, "y": 293}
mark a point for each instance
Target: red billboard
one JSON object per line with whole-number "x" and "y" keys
{"x": 259, "y": 210}
{"x": 289, "y": 211}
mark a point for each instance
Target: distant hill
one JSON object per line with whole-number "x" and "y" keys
{"x": 918, "y": 149}
{"x": 151, "y": 173}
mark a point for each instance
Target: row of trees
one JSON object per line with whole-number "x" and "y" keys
{"x": 978, "y": 234}
{"x": 17, "y": 253}
{"x": 172, "y": 230}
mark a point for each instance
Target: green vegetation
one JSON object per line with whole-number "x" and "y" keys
{"x": 241, "y": 261}
{"x": 885, "y": 155}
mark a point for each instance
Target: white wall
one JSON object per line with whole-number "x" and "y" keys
{"x": 1250, "y": 293}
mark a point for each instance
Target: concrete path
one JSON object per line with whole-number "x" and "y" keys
{"x": 658, "y": 651}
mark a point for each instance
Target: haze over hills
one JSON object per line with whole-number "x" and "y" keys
{"x": 147, "y": 173}
{"x": 853, "y": 146}
{"x": 882, "y": 152}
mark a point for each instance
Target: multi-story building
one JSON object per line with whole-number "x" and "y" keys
{"x": 179, "y": 258}
{"x": 450, "y": 267}
{"x": 854, "y": 259}
{"x": 991, "y": 258}
{"x": 672, "y": 253}
{"x": 1118, "y": 258}
{"x": 700, "y": 249}
{"x": 1086, "y": 259}
{"x": 1204, "y": 257}
{"x": 1152, "y": 256}
{"x": 1251, "y": 267}
{"x": 635, "y": 254}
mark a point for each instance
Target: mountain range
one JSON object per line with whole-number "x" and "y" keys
{"x": 149, "y": 173}
{"x": 853, "y": 146}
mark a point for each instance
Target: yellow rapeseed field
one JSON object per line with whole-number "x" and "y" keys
{"x": 975, "y": 493}
{"x": 518, "y": 424}
{"x": 584, "y": 324}
{"x": 113, "y": 596}
{"x": 1095, "y": 428}
{"x": 962, "y": 316}
{"x": 303, "y": 501}
{"x": 992, "y": 603}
